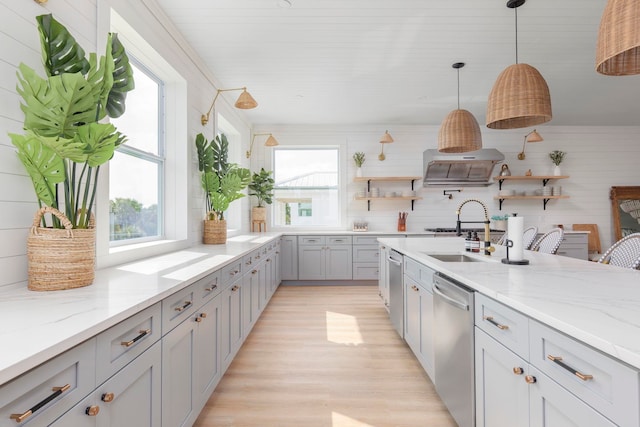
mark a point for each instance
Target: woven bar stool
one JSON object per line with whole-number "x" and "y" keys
{"x": 528, "y": 236}
{"x": 550, "y": 242}
{"x": 624, "y": 253}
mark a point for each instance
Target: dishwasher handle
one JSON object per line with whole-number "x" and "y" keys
{"x": 454, "y": 302}
{"x": 395, "y": 261}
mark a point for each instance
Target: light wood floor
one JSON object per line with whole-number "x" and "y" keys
{"x": 325, "y": 357}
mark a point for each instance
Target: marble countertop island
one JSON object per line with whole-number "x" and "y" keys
{"x": 595, "y": 303}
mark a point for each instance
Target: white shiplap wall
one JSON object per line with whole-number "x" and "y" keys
{"x": 597, "y": 158}
{"x": 19, "y": 42}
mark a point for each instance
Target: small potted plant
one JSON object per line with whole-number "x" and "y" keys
{"x": 556, "y": 157}
{"x": 261, "y": 186}
{"x": 222, "y": 182}
{"x": 358, "y": 158}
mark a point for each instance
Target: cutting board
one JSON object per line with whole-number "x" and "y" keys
{"x": 594, "y": 236}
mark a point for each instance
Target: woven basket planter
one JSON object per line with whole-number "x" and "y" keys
{"x": 60, "y": 258}
{"x": 214, "y": 232}
{"x": 259, "y": 213}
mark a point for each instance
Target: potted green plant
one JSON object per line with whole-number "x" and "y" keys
{"x": 63, "y": 146}
{"x": 556, "y": 157}
{"x": 358, "y": 158}
{"x": 222, "y": 182}
{"x": 261, "y": 187}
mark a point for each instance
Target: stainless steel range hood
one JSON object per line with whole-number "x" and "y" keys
{"x": 473, "y": 168}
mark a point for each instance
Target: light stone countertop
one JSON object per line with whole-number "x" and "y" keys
{"x": 595, "y": 303}
{"x": 37, "y": 326}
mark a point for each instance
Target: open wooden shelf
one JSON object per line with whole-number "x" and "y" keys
{"x": 369, "y": 179}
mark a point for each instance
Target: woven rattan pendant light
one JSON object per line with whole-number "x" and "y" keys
{"x": 459, "y": 131}
{"x": 618, "y": 48}
{"x": 520, "y": 96}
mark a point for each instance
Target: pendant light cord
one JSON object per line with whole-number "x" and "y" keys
{"x": 458, "y": 88}
{"x": 515, "y": 9}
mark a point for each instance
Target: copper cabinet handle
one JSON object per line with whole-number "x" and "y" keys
{"x": 235, "y": 288}
{"x": 518, "y": 370}
{"x": 92, "y": 410}
{"x": 558, "y": 360}
{"x": 494, "y": 323}
{"x": 57, "y": 391}
{"x": 211, "y": 288}
{"x": 186, "y": 305}
{"x": 143, "y": 333}
{"x": 530, "y": 379}
{"x": 254, "y": 271}
{"x": 107, "y": 397}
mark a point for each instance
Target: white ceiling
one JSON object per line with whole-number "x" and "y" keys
{"x": 389, "y": 61}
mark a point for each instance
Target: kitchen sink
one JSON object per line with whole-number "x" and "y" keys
{"x": 454, "y": 257}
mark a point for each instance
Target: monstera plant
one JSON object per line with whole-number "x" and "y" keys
{"x": 64, "y": 141}
{"x": 222, "y": 181}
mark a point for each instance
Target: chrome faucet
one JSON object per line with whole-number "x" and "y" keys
{"x": 487, "y": 238}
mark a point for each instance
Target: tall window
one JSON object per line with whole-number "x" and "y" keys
{"x": 306, "y": 187}
{"x": 137, "y": 169}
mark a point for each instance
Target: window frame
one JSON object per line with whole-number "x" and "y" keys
{"x": 340, "y": 188}
{"x": 157, "y": 159}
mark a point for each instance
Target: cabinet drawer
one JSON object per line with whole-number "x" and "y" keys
{"x": 120, "y": 344}
{"x": 230, "y": 272}
{"x": 507, "y": 326}
{"x": 178, "y": 307}
{"x": 365, "y": 271}
{"x": 365, "y": 254}
{"x": 338, "y": 240}
{"x": 367, "y": 240}
{"x": 311, "y": 240}
{"x": 418, "y": 272}
{"x": 65, "y": 380}
{"x": 250, "y": 259}
{"x": 207, "y": 287}
{"x": 612, "y": 388}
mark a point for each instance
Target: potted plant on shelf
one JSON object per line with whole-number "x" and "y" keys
{"x": 556, "y": 157}
{"x": 358, "y": 158}
{"x": 261, "y": 186}
{"x": 222, "y": 182}
{"x": 63, "y": 146}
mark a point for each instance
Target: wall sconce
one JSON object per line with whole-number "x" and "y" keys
{"x": 386, "y": 139}
{"x": 532, "y": 136}
{"x": 270, "y": 142}
{"x": 245, "y": 102}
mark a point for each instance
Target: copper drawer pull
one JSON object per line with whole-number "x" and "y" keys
{"x": 143, "y": 333}
{"x": 558, "y": 361}
{"x": 211, "y": 288}
{"x": 57, "y": 391}
{"x": 494, "y": 323}
{"x": 186, "y": 304}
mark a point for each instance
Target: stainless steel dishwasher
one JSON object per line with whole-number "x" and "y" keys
{"x": 396, "y": 293}
{"x": 454, "y": 348}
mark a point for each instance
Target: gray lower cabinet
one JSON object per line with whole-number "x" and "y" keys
{"x": 366, "y": 255}
{"x": 130, "y": 398}
{"x": 530, "y": 374}
{"x": 418, "y": 321}
{"x": 289, "y": 255}
{"x": 230, "y": 322}
{"x": 325, "y": 258}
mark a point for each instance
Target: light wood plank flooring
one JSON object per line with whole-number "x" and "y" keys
{"x": 325, "y": 356}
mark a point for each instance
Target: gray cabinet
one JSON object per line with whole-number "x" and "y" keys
{"x": 419, "y": 322}
{"x": 325, "y": 258}
{"x": 130, "y": 397}
{"x": 366, "y": 255}
{"x": 524, "y": 367}
{"x": 383, "y": 276}
{"x": 289, "y": 257}
{"x": 230, "y": 323}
